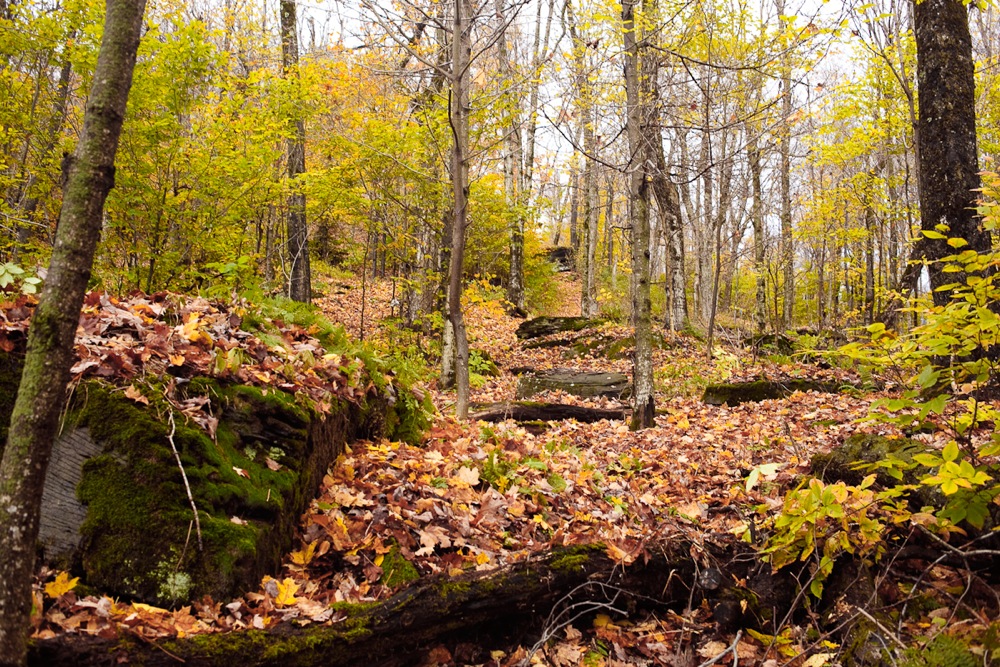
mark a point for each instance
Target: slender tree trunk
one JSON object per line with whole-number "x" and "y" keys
{"x": 759, "y": 240}
{"x": 668, "y": 205}
{"x": 299, "y": 274}
{"x": 52, "y": 137}
{"x": 49, "y": 356}
{"x": 640, "y": 77}
{"x": 585, "y": 103}
{"x": 784, "y": 169}
{"x": 592, "y": 210}
{"x": 461, "y": 53}
{"x": 869, "y": 306}
{"x": 513, "y": 176}
{"x": 574, "y": 211}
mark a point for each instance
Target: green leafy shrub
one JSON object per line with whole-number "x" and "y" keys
{"x": 947, "y": 364}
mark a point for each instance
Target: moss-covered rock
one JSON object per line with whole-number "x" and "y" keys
{"x": 846, "y": 463}
{"x": 138, "y": 539}
{"x": 761, "y": 390}
{"x": 250, "y": 482}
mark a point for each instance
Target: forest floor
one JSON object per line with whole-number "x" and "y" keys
{"x": 476, "y": 496}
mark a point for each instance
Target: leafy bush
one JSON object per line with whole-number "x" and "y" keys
{"x": 13, "y": 278}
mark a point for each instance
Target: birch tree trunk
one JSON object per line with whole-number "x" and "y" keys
{"x": 49, "y": 357}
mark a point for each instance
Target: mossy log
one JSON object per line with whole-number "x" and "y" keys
{"x": 577, "y": 383}
{"x": 529, "y": 411}
{"x": 485, "y": 608}
{"x": 545, "y": 326}
{"x": 761, "y": 390}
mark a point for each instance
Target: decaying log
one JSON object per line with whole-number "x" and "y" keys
{"x": 484, "y": 608}
{"x": 544, "y": 326}
{"x": 528, "y": 411}
{"x": 577, "y": 383}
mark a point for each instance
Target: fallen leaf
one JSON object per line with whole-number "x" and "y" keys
{"x": 131, "y": 392}
{"x": 62, "y": 585}
{"x": 286, "y": 593}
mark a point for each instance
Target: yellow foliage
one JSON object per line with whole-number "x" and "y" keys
{"x": 62, "y": 585}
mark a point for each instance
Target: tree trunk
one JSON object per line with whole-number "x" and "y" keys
{"x": 49, "y": 356}
{"x": 591, "y": 203}
{"x": 949, "y": 165}
{"x": 785, "y": 139}
{"x": 461, "y": 53}
{"x": 757, "y": 220}
{"x": 574, "y": 210}
{"x": 591, "y": 214}
{"x": 869, "y": 306}
{"x": 299, "y": 275}
{"x": 30, "y": 205}
{"x": 513, "y": 176}
{"x": 640, "y": 78}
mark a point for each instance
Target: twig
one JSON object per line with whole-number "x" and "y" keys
{"x": 187, "y": 541}
{"x": 881, "y": 627}
{"x": 187, "y": 487}
{"x": 557, "y": 617}
{"x": 730, "y": 648}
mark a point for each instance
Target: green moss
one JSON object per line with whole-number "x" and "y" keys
{"x": 574, "y": 558}
{"x": 396, "y": 570}
{"x": 942, "y": 651}
{"x": 136, "y": 539}
{"x": 453, "y": 589}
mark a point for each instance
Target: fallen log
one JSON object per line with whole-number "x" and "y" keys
{"x": 577, "y": 383}
{"x": 530, "y": 411}
{"x": 544, "y": 326}
{"x": 507, "y": 604}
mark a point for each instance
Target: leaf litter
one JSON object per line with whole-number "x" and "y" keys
{"x": 472, "y": 496}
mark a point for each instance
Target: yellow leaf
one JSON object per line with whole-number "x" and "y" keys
{"x": 379, "y": 559}
{"x": 602, "y": 621}
{"x": 139, "y": 606}
{"x": 286, "y": 592}
{"x": 304, "y": 556}
{"x": 482, "y": 558}
{"x": 62, "y": 585}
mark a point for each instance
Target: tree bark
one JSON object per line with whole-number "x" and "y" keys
{"x": 784, "y": 169}
{"x": 640, "y": 77}
{"x": 49, "y": 355}
{"x": 513, "y": 175}
{"x": 461, "y": 53}
{"x": 669, "y": 206}
{"x": 946, "y": 136}
{"x": 299, "y": 274}
{"x": 757, "y": 220}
